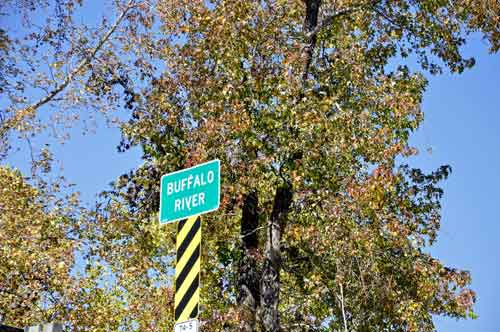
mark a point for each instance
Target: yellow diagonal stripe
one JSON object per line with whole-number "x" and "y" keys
{"x": 192, "y": 303}
{"x": 187, "y": 227}
{"x": 193, "y": 272}
{"x": 192, "y": 275}
{"x": 188, "y": 253}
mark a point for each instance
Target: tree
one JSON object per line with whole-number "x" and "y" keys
{"x": 299, "y": 102}
{"x": 71, "y": 70}
{"x": 37, "y": 245}
{"x": 321, "y": 227}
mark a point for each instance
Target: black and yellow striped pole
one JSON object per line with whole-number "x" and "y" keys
{"x": 187, "y": 269}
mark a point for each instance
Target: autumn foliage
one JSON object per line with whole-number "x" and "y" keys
{"x": 309, "y": 105}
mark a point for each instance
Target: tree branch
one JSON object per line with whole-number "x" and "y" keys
{"x": 310, "y": 24}
{"x": 341, "y": 298}
{"x": 312, "y": 28}
{"x": 331, "y": 18}
{"x": 69, "y": 78}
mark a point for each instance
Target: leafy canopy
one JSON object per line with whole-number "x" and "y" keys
{"x": 301, "y": 95}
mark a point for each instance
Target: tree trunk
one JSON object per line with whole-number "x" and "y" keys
{"x": 270, "y": 283}
{"x": 248, "y": 273}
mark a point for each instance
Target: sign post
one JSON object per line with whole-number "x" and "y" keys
{"x": 184, "y": 196}
{"x": 187, "y": 269}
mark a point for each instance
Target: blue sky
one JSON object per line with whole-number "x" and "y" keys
{"x": 461, "y": 127}
{"x": 462, "y": 117}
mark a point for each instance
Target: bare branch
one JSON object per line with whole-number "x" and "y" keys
{"x": 341, "y": 299}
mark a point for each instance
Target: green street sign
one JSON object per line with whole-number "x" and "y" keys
{"x": 190, "y": 192}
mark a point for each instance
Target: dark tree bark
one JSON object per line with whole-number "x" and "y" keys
{"x": 310, "y": 24}
{"x": 248, "y": 273}
{"x": 270, "y": 283}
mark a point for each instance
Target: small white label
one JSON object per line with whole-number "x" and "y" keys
{"x": 191, "y": 325}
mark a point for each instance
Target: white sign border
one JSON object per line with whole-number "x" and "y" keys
{"x": 184, "y": 170}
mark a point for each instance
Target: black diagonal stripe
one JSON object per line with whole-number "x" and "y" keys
{"x": 194, "y": 313}
{"x": 189, "y": 237}
{"x": 185, "y": 299}
{"x": 180, "y": 225}
{"x": 187, "y": 268}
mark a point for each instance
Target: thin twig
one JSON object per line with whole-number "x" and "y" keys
{"x": 341, "y": 298}
{"x": 252, "y": 232}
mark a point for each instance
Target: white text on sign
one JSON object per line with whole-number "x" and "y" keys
{"x": 188, "y": 183}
